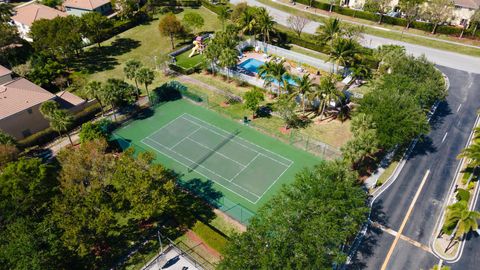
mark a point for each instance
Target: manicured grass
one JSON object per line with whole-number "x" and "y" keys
{"x": 308, "y": 52}
{"x": 386, "y": 34}
{"x": 186, "y": 62}
{"x": 142, "y": 43}
{"x": 210, "y": 237}
{"x": 387, "y": 173}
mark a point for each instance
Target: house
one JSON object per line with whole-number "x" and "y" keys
{"x": 20, "y": 102}
{"x": 463, "y": 11}
{"x": 79, "y": 7}
{"x": 26, "y": 15}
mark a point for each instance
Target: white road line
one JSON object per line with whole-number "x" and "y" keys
{"x": 404, "y": 222}
{"x": 459, "y": 106}
{"x": 444, "y": 137}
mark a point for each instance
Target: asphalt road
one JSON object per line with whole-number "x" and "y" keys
{"x": 443, "y": 58}
{"x": 451, "y": 127}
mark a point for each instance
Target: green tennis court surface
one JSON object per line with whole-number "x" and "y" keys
{"x": 219, "y": 159}
{"x": 221, "y": 156}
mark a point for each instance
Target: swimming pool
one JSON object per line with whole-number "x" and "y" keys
{"x": 252, "y": 65}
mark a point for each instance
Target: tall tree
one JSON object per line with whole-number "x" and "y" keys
{"x": 378, "y": 6}
{"x": 303, "y": 88}
{"x": 330, "y": 30}
{"x": 305, "y": 225}
{"x": 145, "y": 76}
{"x": 297, "y": 24}
{"x": 275, "y": 73}
{"x": 170, "y": 26}
{"x": 193, "y": 20}
{"x": 265, "y": 23}
{"x": 94, "y": 90}
{"x": 130, "y": 70}
{"x": 411, "y": 9}
{"x": 60, "y": 120}
{"x": 344, "y": 52}
{"x": 6, "y": 12}
{"x": 327, "y": 92}
{"x": 228, "y": 59}
{"x": 248, "y": 21}
{"x": 252, "y": 100}
{"x": 117, "y": 93}
{"x": 459, "y": 220}
{"x": 475, "y": 21}
{"x": 472, "y": 153}
{"x": 95, "y": 27}
{"x": 438, "y": 12}
{"x": 223, "y": 15}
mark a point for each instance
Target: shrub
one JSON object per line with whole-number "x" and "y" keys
{"x": 462, "y": 195}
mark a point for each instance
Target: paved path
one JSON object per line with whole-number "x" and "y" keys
{"x": 443, "y": 58}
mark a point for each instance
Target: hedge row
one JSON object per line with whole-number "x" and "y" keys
{"x": 48, "y": 134}
{"x": 427, "y": 27}
{"x": 215, "y": 8}
{"x": 185, "y": 71}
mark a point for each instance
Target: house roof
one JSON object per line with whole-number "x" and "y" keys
{"x": 32, "y": 12}
{"x": 19, "y": 95}
{"x": 85, "y": 4}
{"x": 473, "y": 4}
{"x": 70, "y": 98}
{"x": 4, "y": 71}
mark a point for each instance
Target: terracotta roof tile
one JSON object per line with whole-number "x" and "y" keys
{"x": 32, "y": 12}
{"x": 85, "y": 4}
{"x": 473, "y": 4}
{"x": 4, "y": 71}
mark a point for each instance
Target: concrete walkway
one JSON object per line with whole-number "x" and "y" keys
{"x": 439, "y": 57}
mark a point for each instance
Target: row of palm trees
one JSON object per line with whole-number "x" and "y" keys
{"x": 459, "y": 219}
{"x": 275, "y": 74}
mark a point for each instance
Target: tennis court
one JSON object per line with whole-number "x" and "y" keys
{"x": 234, "y": 163}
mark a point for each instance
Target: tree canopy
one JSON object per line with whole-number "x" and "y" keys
{"x": 305, "y": 225}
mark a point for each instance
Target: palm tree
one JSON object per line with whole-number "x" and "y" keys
{"x": 146, "y": 77}
{"x": 330, "y": 30}
{"x": 228, "y": 59}
{"x": 326, "y": 92}
{"x": 248, "y": 22}
{"x": 275, "y": 73}
{"x": 60, "y": 120}
{"x": 223, "y": 15}
{"x": 461, "y": 219}
{"x": 304, "y": 88}
{"x": 93, "y": 90}
{"x": 130, "y": 69}
{"x": 6, "y": 12}
{"x": 343, "y": 52}
{"x": 265, "y": 23}
{"x": 472, "y": 152}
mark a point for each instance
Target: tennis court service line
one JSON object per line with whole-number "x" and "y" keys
{"x": 186, "y": 138}
{"x": 273, "y": 183}
{"x": 291, "y": 162}
{"x": 246, "y": 166}
{"x": 199, "y": 165}
{"x": 210, "y": 149}
{"x": 166, "y": 125}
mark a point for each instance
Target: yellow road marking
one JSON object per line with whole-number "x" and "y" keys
{"x": 403, "y": 237}
{"x": 404, "y": 222}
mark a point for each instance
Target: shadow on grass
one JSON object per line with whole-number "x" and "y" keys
{"x": 98, "y": 59}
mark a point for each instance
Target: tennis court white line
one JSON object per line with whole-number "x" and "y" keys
{"x": 182, "y": 140}
{"x": 167, "y": 124}
{"x": 217, "y": 152}
{"x": 271, "y": 185}
{"x": 242, "y": 140}
{"x": 246, "y": 166}
{"x": 255, "y": 195}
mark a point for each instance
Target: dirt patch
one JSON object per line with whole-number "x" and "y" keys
{"x": 284, "y": 130}
{"x": 198, "y": 241}
{"x": 237, "y": 225}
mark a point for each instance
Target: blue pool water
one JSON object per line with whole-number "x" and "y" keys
{"x": 253, "y": 64}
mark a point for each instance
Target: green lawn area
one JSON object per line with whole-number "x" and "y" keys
{"x": 142, "y": 43}
{"x": 308, "y": 52}
{"x": 186, "y": 62}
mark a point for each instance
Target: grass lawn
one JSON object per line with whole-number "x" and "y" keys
{"x": 188, "y": 62}
{"x": 374, "y": 30}
{"x": 142, "y": 43}
{"x": 387, "y": 173}
{"x": 309, "y": 52}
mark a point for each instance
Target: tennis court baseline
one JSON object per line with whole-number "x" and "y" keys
{"x": 224, "y": 157}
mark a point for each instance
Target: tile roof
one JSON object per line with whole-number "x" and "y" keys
{"x": 473, "y": 4}
{"x": 20, "y": 94}
{"x": 33, "y": 12}
{"x": 70, "y": 98}
{"x": 85, "y": 4}
{"x": 4, "y": 71}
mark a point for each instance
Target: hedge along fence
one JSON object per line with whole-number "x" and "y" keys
{"x": 48, "y": 134}
{"x": 215, "y": 8}
{"x": 427, "y": 27}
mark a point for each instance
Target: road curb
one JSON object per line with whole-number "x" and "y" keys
{"x": 451, "y": 192}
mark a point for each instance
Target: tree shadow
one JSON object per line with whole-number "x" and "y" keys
{"x": 424, "y": 146}
{"x": 98, "y": 59}
{"x": 441, "y": 112}
{"x": 369, "y": 240}
{"x": 203, "y": 190}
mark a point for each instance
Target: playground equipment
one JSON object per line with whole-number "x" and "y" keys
{"x": 198, "y": 46}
